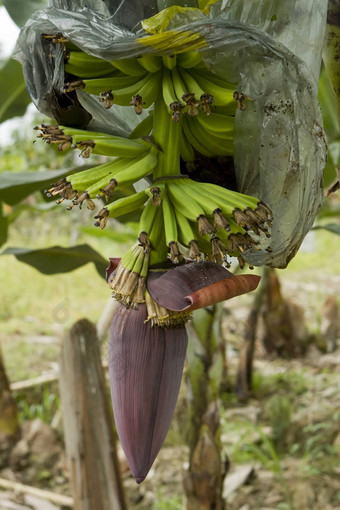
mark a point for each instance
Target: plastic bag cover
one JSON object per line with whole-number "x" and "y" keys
{"x": 279, "y": 147}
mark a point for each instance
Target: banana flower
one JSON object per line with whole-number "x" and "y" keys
{"x": 146, "y": 361}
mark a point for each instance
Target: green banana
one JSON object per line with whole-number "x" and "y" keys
{"x": 129, "y": 257}
{"x": 144, "y": 128}
{"x": 188, "y": 206}
{"x": 170, "y": 228}
{"x": 221, "y": 126}
{"x": 82, "y": 180}
{"x": 124, "y": 95}
{"x": 167, "y": 135}
{"x": 144, "y": 272}
{"x": 232, "y": 198}
{"x": 189, "y": 59}
{"x": 141, "y": 168}
{"x": 115, "y": 82}
{"x": 159, "y": 248}
{"x": 108, "y": 181}
{"x": 178, "y": 84}
{"x": 186, "y": 233}
{"x": 196, "y": 144}
{"x": 186, "y": 150}
{"x": 222, "y": 95}
{"x": 129, "y": 66}
{"x": 148, "y": 217}
{"x": 83, "y": 65}
{"x": 151, "y": 88}
{"x": 195, "y": 191}
{"x": 151, "y": 63}
{"x": 169, "y": 61}
{"x": 191, "y": 84}
{"x": 168, "y": 91}
{"x": 170, "y": 225}
{"x": 209, "y": 141}
{"x": 113, "y": 146}
{"x": 70, "y": 131}
{"x": 212, "y": 77}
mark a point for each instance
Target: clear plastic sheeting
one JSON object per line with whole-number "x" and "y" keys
{"x": 298, "y": 25}
{"x": 270, "y": 49}
{"x": 122, "y": 11}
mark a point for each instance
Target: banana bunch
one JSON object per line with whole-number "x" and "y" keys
{"x": 190, "y": 111}
{"x": 212, "y": 220}
{"x": 132, "y": 160}
{"x": 184, "y": 84}
{"x": 128, "y": 282}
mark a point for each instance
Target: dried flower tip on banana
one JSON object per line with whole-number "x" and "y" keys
{"x": 241, "y": 262}
{"x": 62, "y": 140}
{"x": 137, "y": 103}
{"x": 64, "y": 146}
{"x": 176, "y": 107}
{"x": 218, "y": 249}
{"x": 175, "y": 255}
{"x": 107, "y": 98}
{"x": 206, "y": 103}
{"x": 194, "y": 252}
{"x": 107, "y": 191}
{"x": 86, "y": 148}
{"x": 204, "y": 226}
{"x": 73, "y": 85}
{"x": 62, "y": 188}
{"x": 241, "y": 99}
{"x": 257, "y": 222}
{"x": 101, "y": 218}
{"x": 240, "y": 243}
{"x": 241, "y": 218}
{"x": 80, "y": 199}
{"x": 56, "y": 188}
{"x": 143, "y": 240}
{"x": 220, "y": 221}
{"x": 55, "y": 38}
{"x": 162, "y": 317}
{"x": 192, "y": 103}
{"x": 264, "y": 212}
{"x": 252, "y": 220}
{"x": 49, "y": 129}
{"x": 156, "y": 196}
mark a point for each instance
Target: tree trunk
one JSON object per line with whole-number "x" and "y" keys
{"x": 284, "y": 327}
{"x": 244, "y": 379}
{"x": 203, "y": 482}
{"x": 88, "y": 423}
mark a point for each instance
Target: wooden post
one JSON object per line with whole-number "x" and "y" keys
{"x": 9, "y": 423}
{"x": 88, "y": 423}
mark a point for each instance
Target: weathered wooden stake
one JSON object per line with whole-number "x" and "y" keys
{"x": 88, "y": 423}
{"x": 9, "y": 423}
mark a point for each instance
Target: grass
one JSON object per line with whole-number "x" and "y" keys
{"x": 38, "y": 403}
{"x": 35, "y": 305}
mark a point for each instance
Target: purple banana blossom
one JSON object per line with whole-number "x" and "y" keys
{"x": 146, "y": 362}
